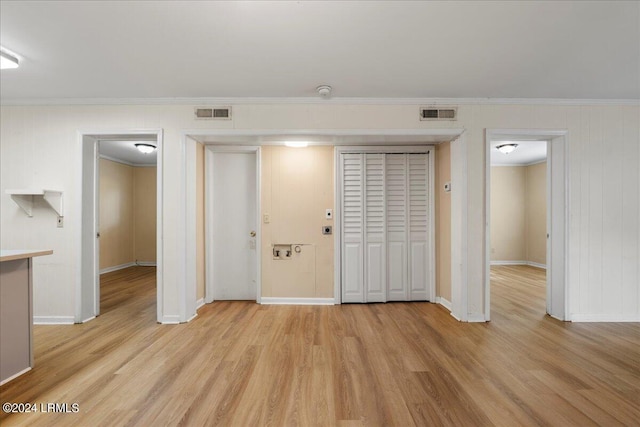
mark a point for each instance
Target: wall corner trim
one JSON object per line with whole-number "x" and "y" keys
{"x": 54, "y": 320}
{"x": 199, "y": 303}
{"x": 444, "y": 302}
{"x": 476, "y": 318}
{"x": 170, "y": 319}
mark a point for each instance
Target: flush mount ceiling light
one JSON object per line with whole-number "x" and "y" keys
{"x": 296, "y": 144}
{"x": 8, "y": 60}
{"x": 506, "y": 148}
{"x": 324, "y": 91}
{"x": 145, "y": 148}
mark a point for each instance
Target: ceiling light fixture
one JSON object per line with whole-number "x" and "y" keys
{"x": 145, "y": 148}
{"x": 8, "y": 60}
{"x": 296, "y": 144}
{"x": 324, "y": 91}
{"x": 506, "y": 148}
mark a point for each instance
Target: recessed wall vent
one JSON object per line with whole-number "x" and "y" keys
{"x": 213, "y": 113}
{"x": 438, "y": 113}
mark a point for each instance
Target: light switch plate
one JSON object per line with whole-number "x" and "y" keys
{"x": 266, "y": 218}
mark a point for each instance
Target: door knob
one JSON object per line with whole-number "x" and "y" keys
{"x": 253, "y": 234}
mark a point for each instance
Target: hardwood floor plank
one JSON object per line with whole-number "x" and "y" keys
{"x": 396, "y": 364}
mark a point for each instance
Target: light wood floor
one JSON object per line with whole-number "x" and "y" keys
{"x": 398, "y": 364}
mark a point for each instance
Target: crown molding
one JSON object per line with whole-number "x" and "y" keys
{"x": 313, "y": 100}
{"x": 126, "y": 162}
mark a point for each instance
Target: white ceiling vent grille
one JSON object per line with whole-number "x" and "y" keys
{"x": 438, "y": 113}
{"x": 213, "y": 113}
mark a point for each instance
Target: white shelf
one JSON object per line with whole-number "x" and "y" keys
{"x": 25, "y": 198}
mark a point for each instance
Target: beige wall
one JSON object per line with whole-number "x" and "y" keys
{"x": 144, "y": 214}
{"x": 518, "y": 213}
{"x": 443, "y": 221}
{"x": 507, "y": 213}
{"x": 200, "y": 247}
{"x": 536, "y": 213}
{"x": 297, "y": 187}
{"x": 127, "y": 214}
{"x": 116, "y": 214}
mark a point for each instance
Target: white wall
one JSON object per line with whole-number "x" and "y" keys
{"x": 39, "y": 147}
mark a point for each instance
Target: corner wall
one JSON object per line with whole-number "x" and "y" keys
{"x": 127, "y": 215}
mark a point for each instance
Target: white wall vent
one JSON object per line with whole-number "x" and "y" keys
{"x": 438, "y": 113}
{"x": 213, "y": 113}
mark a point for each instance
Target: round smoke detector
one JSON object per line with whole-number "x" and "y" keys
{"x": 324, "y": 91}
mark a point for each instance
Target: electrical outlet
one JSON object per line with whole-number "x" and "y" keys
{"x": 60, "y": 221}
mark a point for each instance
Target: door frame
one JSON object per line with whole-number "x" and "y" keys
{"x": 210, "y": 151}
{"x": 338, "y": 151}
{"x": 87, "y": 305}
{"x": 557, "y": 194}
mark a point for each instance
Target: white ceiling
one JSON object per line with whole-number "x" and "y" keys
{"x": 386, "y": 49}
{"x": 526, "y": 153}
{"x": 122, "y": 148}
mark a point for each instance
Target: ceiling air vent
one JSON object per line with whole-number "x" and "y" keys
{"x": 211, "y": 113}
{"x": 438, "y": 113}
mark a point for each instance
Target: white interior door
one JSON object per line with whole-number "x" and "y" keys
{"x": 234, "y": 226}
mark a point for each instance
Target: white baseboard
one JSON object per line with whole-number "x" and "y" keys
{"x": 53, "y": 320}
{"x": 12, "y": 377}
{"x": 443, "y": 302}
{"x": 145, "y": 263}
{"x": 536, "y": 264}
{"x": 117, "y": 267}
{"x": 613, "y": 318}
{"x": 508, "y": 262}
{"x": 476, "y": 318}
{"x": 297, "y": 301}
{"x": 170, "y": 319}
{"x": 199, "y": 303}
{"x": 88, "y": 319}
{"x": 530, "y": 263}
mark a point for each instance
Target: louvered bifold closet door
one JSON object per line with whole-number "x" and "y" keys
{"x": 418, "y": 184}
{"x": 397, "y": 227}
{"x": 352, "y": 227}
{"x": 385, "y": 227}
{"x": 375, "y": 242}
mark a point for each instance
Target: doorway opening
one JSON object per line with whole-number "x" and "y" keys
{"x": 518, "y": 223}
{"x": 121, "y": 217}
{"x": 526, "y": 217}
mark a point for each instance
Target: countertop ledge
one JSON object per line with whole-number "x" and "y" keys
{"x": 14, "y": 254}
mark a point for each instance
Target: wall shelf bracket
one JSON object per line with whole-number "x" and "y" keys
{"x": 25, "y": 199}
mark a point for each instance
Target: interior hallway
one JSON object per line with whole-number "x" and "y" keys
{"x": 240, "y": 363}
